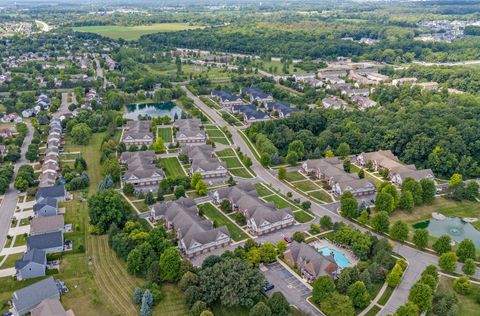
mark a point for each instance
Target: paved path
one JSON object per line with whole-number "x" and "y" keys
{"x": 63, "y": 109}
{"x": 13, "y": 250}
{"x": 7, "y": 207}
{"x": 375, "y": 300}
{"x": 418, "y": 260}
{"x": 7, "y": 272}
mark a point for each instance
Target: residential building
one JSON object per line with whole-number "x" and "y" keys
{"x": 310, "y": 262}
{"x": 401, "y": 81}
{"x": 57, "y": 192}
{"x": 194, "y": 234}
{"x": 46, "y": 207}
{"x": 51, "y": 307}
{"x": 46, "y": 224}
{"x": 189, "y": 131}
{"x": 142, "y": 171}
{"x": 26, "y": 299}
{"x": 32, "y": 265}
{"x": 250, "y": 113}
{"x": 226, "y": 98}
{"x": 282, "y": 108}
{"x": 261, "y": 217}
{"x": 333, "y": 102}
{"x": 137, "y": 133}
{"x": 49, "y": 242}
{"x": 363, "y": 102}
{"x": 203, "y": 160}
{"x": 257, "y": 95}
{"x": 331, "y": 171}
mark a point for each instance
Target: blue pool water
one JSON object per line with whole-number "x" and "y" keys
{"x": 341, "y": 260}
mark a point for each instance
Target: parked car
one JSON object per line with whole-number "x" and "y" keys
{"x": 287, "y": 239}
{"x": 268, "y": 287}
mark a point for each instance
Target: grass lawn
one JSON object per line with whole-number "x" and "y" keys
{"x": 134, "y": 32}
{"x": 24, "y": 221}
{"x": 386, "y": 295}
{"x": 173, "y": 302}
{"x": 142, "y": 207}
{"x": 165, "y": 133}
{"x": 306, "y": 185}
{"x": 241, "y": 172}
{"x": 280, "y": 202}
{"x": 220, "y": 140}
{"x": 373, "y": 311}
{"x": 10, "y": 261}
{"x": 214, "y": 132}
{"x": 262, "y": 190}
{"x": 220, "y": 310}
{"x": 232, "y": 162}
{"x": 302, "y": 216}
{"x": 466, "y": 303}
{"x": 20, "y": 240}
{"x": 321, "y": 195}
{"x": 172, "y": 167}
{"x": 77, "y": 215}
{"x": 227, "y": 152}
{"x": 213, "y": 214}
{"x": 294, "y": 176}
{"x": 210, "y": 103}
{"x": 250, "y": 145}
{"x": 234, "y": 120}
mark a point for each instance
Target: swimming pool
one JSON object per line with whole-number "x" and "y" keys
{"x": 340, "y": 258}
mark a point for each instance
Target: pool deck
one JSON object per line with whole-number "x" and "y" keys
{"x": 346, "y": 251}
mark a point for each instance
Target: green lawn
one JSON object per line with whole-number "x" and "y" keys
{"x": 294, "y": 176}
{"x": 220, "y": 140}
{"x": 373, "y": 311}
{"x": 280, "y": 202}
{"x": 24, "y": 221}
{"x": 306, "y": 185}
{"x": 262, "y": 190}
{"x": 302, "y": 216}
{"x": 386, "y": 295}
{"x": 235, "y": 121}
{"x": 241, "y": 172}
{"x": 214, "y": 214}
{"x": 165, "y": 133}
{"x": 10, "y": 261}
{"x": 209, "y": 102}
{"x": 214, "y": 132}
{"x": 20, "y": 240}
{"x": 173, "y": 302}
{"x": 249, "y": 144}
{"x": 227, "y": 152}
{"x": 172, "y": 167}
{"x": 232, "y": 162}
{"x": 134, "y": 32}
{"x": 321, "y": 195}
{"x": 142, "y": 207}
{"x": 467, "y": 304}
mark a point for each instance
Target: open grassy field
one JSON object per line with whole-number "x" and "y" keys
{"x": 215, "y": 215}
{"x": 172, "y": 167}
{"x": 131, "y": 33}
{"x": 466, "y": 303}
{"x": 165, "y": 133}
{"x": 173, "y": 304}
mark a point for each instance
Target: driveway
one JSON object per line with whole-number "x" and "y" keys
{"x": 294, "y": 291}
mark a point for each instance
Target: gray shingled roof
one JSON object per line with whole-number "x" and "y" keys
{"x": 48, "y": 201}
{"x": 33, "y": 255}
{"x": 40, "y": 225}
{"x": 29, "y": 297}
{"x": 56, "y": 191}
{"x": 45, "y": 241}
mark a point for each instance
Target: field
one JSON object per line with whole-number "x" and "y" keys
{"x": 172, "y": 167}
{"x": 165, "y": 133}
{"x": 466, "y": 303}
{"x": 134, "y": 32}
{"x": 215, "y": 215}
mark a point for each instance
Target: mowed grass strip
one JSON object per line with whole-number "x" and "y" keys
{"x": 173, "y": 302}
{"x": 321, "y": 195}
{"x": 262, "y": 190}
{"x": 220, "y": 140}
{"x": 294, "y": 176}
{"x": 221, "y": 220}
{"x": 232, "y": 162}
{"x": 227, "y": 152}
{"x": 172, "y": 167}
{"x": 165, "y": 133}
{"x": 241, "y": 172}
{"x": 302, "y": 216}
{"x": 306, "y": 185}
{"x": 134, "y": 32}
{"x": 280, "y": 202}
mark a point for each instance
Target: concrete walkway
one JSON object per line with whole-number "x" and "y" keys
{"x": 13, "y": 250}
{"x": 375, "y": 300}
{"x": 7, "y": 272}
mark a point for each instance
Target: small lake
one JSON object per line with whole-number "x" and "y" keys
{"x": 455, "y": 227}
{"x": 152, "y": 109}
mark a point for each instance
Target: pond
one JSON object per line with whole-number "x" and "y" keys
{"x": 455, "y": 227}
{"x": 152, "y": 110}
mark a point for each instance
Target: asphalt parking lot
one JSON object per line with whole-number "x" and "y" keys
{"x": 295, "y": 291}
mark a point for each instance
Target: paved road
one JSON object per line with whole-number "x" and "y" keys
{"x": 7, "y": 208}
{"x": 418, "y": 260}
{"x": 63, "y": 109}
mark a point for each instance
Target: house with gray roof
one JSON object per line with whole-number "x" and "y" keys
{"x": 46, "y": 207}
{"x": 261, "y": 217}
{"x": 195, "y": 235}
{"x": 203, "y": 160}
{"x": 141, "y": 170}
{"x": 57, "y": 191}
{"x": 256, "y": 94}
{"x": 250, "y": 113}
{"x": 310, "y": 262}
{"x": 189, "y": 131}
{"x": 49, "y": 242}
{"x": 282, "y": 108}
{"x": 44, "y": 225}
{"x": 32, "y": 265}
{"x": 137, "y": 133}
{"x": 51, "y": 307}
{"x": 226, "y": 98}
{"x": 26, "y": 299}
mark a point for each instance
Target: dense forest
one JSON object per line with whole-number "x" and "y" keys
{"x": 429, "y": 129}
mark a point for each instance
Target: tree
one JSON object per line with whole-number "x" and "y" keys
{"x": 268, "y": 253}
{"x": 292, "y": 158}
{"x": 329, "y": 154}
{"x": 298, "y": 236}
{"x": 347, "y": 165}
{"x": 466, "y": 250}
{"x": 279, "y": 305}
{"x": 349, "y": 205}
{"x": 399, "y": 231}
{"x": 137, "y": 296}
{"x": 265, "y": 159}
{"x": 179, "y": 191}
{"x": 159, "y": 146}
{"x": 326, "y": 222}
{"x": 201, "y": 188}
{"x": 428, "y": 190}
{"x": 343, "y": 150}
{"x": 323, "y": 287}
{"x": 170, "y": 263}
{"x": 198, "y": 308}
{"x": 393, "y": 278}
{"x": 188, "y": 279}
{"x": 361, "y": 173}
{"x": 380, "y": 222}
{"x": 421, "y": 295}
{"x": 297, "y": 147}
{"x": 147, "y": 303}
{"x": 112, "y": 167}
{"x": 207, "y": 313}
{"x": 81, "y": 134}
{"x": 389, "y": 188}
{"x": 260, "y": 309}
{"x": 413, "y": 186}
{"x": 384, "y": 202}
{"x": 107, "y": 207}
{"x": 406, "y": 202}
{"x": 462, "y": 285}
{"x": 363, "y": 218}
{"x": 471, "y": 191}
{"x": 420, "y": 238}
{"x": 196, "y": 177}
{"x": 442, "y": 244}
{"x": 448, "y": 261}
{"x": 149, "y": 199}
{"x": 281, "y": 247}
{"x": 358, "y": 294}
{"x": 408, "y": 309}
{"x": 469, "y": 267}
{"x": 455, "y": 180}
{"x": 282, "y": 173}
{"x": 337, "y": 305}
{"x": 128, "y": 189}
{"x": 254, "y": 257}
